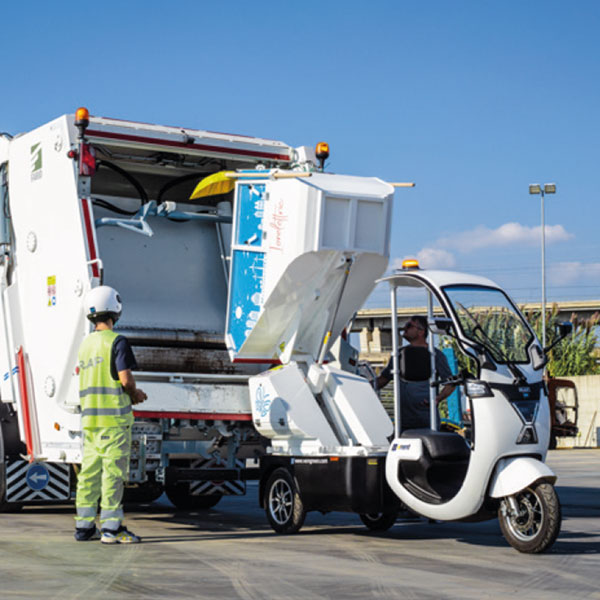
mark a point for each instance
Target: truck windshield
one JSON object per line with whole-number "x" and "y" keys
{"x": 488, "y": 317}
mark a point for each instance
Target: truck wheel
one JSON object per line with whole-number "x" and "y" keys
{"x": 379, "y": 521}
{"x": 284, "y": 507}
{"x": 145, "y": 493}
{"x": 180, "y": 496}
{"x": 537, "y": 524}
{"x": 5, "y": 506}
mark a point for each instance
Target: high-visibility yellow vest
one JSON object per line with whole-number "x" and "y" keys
{"x": 103, "y": 400}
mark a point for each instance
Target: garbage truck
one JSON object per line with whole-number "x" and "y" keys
{"x": 148, "y": 210}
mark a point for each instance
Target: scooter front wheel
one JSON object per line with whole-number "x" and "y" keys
{"x": 530, "y": 520}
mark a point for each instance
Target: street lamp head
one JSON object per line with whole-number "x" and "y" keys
{"x": 549, "y": 188}
{"x": 535, "y": 188}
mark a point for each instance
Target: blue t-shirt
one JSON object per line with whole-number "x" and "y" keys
{"x": 122, "y": 357}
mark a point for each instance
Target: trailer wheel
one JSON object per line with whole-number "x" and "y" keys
{"x": 284, "y": 507}
{"x": 379, "y": 521}
{"x": 537, "y": 524}
{"x": 180, "y": 496}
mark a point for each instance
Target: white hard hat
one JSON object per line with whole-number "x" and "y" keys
{"x": 103, "y": 301}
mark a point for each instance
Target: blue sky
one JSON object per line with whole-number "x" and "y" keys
{"x": 473, "y": 100}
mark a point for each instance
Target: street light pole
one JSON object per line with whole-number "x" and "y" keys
{"x": 548, "y": 188}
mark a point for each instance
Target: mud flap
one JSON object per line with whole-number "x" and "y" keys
{"x": 37, "y": 482}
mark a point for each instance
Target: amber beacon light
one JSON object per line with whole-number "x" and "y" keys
{"x": 410, "y": 263}
{"x": 82, "y": 120}
{"x": 322, "y": 153}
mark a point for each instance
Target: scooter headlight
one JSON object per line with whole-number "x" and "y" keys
{"x": 528, "y": 435}
{"x": 478, "y": 389}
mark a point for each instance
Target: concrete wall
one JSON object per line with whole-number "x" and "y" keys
{"x": 588, "y": 419}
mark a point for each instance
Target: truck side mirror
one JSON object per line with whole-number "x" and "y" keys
{"x": 538, "y": 358}
{"x": 415, "y": 363}
{"x": 441, "y": 326}
{"x": 562, "y": 329}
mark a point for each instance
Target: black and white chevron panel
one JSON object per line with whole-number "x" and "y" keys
{"x": 31, "y": 482}
{"x": 227, "y": 488}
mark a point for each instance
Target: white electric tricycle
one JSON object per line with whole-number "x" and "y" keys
{"x": 496, "y": 469}
{"x": 500, "y": 468}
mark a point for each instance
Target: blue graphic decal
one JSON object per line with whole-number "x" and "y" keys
{"x": 262, "y": 401}
{"x": 250, "y": 207}
{"x": 246, "y": 299}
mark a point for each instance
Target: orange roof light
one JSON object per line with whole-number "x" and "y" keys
{"x": 322, "y": 153}
{"x": 82, "y": 115}
{"x": 410, "y": 263}
{"x": 322, "y": 150}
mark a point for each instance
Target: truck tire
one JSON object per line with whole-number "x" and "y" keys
{"x": 145, "y": 493}
{"x": 379, "y": 521}
{"x": 537, "y": 525}
{"x": 4, "y": 505}
{"x": 180, "y": 497}
{"x": 283, "y": 504}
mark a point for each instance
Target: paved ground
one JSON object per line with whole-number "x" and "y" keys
{"x": 230, "y": 552}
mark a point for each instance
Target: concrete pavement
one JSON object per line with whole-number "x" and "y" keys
{"x": 230, "y": 552}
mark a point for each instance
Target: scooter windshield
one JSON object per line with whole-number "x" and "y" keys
{"x": 489, "y": 318}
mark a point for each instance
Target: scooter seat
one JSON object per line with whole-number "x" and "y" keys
{"x": 441, "y": 445}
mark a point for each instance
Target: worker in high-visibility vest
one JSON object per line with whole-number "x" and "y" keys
{"x": 107, "y": 391}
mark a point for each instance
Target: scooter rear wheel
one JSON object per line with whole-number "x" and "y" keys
{"x": 537, "y": 524}
{"x": 283, "y": 503}
{"x": 379, "y": 521}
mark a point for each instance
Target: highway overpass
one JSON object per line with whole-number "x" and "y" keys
{"x": 373, "y": 324}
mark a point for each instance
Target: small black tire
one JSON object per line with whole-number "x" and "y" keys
{"x": 553, "y": 442}
{"x": 180, "y": 497}
{"x": 379, "y": 521}
{"x": 283, "y": 504}
{"x": 537, "y": 525}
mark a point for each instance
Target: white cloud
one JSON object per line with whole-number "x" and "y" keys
{"x": 429, "y": 258}
{"x": 566, "y": 273}
{"x": 509, "y": 234}
{"x": 436, "y": 258}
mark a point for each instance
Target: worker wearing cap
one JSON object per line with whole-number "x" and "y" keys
{"x": 107, "y": 391}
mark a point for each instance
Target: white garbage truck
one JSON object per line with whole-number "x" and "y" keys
{"x": 148, "y": 210}
{"x": 89, "y": 200}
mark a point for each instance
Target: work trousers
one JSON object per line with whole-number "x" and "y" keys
{"x": 104, "y": 470}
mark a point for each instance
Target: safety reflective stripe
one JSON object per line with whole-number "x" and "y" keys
{"x": 116, "y": 391}
{"x": 84, "y": 512}
{"x": 86, "y": 515}
{"x": 97, "y": 412}
{"x": 85, "y": 523}
{"x": 106, "y": 515}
